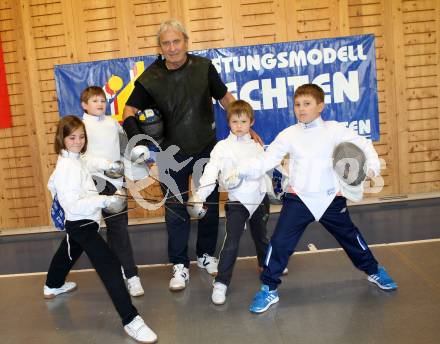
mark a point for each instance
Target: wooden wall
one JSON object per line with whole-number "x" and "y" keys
{"x": 37, "y": 34}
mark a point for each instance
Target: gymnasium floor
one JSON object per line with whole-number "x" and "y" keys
{"x": 324, "y": 299}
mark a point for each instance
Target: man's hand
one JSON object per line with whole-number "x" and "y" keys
{"x": 129, "y": 111}
{"x": 256, "y": 137}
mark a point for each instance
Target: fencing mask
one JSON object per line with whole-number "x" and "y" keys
{"x": 151, "y": 123}
{"x": 349, "y": 164}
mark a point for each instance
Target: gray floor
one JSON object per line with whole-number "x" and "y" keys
{"x": 324, "y": 299}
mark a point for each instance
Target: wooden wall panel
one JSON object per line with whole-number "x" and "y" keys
{"x": 147, "y": 17}
{"x": 313, "y": 19}
{"x": 257, "y": 22}
{"x": 366, "y": 17}
{"x": 208, "y": 23}
{"x": 418, "y": 30}
{"x": 23, "y": 201}
{"x": 37, "y": 34}
{"x": 51, "y": 47}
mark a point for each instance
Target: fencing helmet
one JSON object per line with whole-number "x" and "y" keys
{"x": 151, "y": 124}
{"x": 349, "y": 163}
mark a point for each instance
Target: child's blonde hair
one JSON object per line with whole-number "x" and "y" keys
{"x": 310, "y": 90}
{"x": 240, "y": 107}
{"x": 66, "y": 126}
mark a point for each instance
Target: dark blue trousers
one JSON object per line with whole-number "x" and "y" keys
{"x": 178, "y": 227}
{"x": 236, "y": 217}
{"x": 293, "y": 220}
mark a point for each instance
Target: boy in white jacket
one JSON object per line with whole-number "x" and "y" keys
{"x": 314, "y": 192}
{"x": 246, "y": 201}
{"x": 103, "y": 142}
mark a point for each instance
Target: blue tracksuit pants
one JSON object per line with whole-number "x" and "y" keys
{"x": 293, "y": 220}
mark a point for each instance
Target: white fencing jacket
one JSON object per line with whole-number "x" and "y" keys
{"x": 103, "y": 142}
{"x": 310, "y": 147}
{"x": 72, "y": 182}
{"x": 225, "y": 157}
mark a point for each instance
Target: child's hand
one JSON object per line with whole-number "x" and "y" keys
{"x": 116, "y": 203}
{"x": 232, "y": 180}
{"x": 370, "y": 174}
{"x": 110, "y": 200}
{"x": 256, "y": 137}
{"x": 196, "y": 198}
{"x": 195, "y": 207}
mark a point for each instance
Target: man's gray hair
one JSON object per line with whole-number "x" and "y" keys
{"x": 174, "y": 25}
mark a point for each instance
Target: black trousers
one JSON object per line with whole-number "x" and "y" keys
{"x": 178, "y": 226}
{"x": 103, "y": 260}
{"x": 236, "y": 217}
{"x": 117, "y": 233}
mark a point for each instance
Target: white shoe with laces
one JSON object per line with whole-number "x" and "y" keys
{"x": 219, "y": 293}
{"x": 139, "y": 331}
{"x": 180, "y": 277}
{"x": 209, "y": 263}
{"x": 134, "y": 286}
{"x": 50, "y": 293}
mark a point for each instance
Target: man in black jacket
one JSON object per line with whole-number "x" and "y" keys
{"x": 181, "y": 87}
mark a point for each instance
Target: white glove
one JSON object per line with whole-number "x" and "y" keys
{"x": 139, "y": 154}
{"x": 195, "y": 207}
{"x": 110, "y": 200}
{"x": 232, "y": 180}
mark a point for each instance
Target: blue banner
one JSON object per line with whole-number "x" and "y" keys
{"x": 264, "y": 75}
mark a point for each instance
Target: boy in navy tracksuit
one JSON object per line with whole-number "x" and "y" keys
{"x": 315, "y": 193}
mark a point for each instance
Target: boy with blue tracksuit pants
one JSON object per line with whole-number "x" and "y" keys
{"x": 314, "y": 194}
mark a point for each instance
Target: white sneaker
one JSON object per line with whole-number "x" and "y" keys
{"x": 180, "y": 277}
{"x": 134, "y": 286}
{"x": 139, "y": 331}
{"x": 209, "y": 263}
{"x": 219, "y": 293}
{"x": 50, "y": 293}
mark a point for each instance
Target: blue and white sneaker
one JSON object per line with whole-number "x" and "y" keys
{"x": 263, "y": 299}
{"x": 382, "y": 279}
